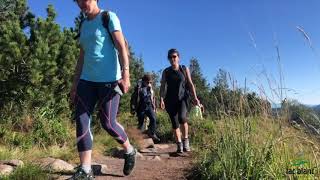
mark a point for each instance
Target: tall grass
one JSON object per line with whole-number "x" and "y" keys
{"x": 251, "y": 148}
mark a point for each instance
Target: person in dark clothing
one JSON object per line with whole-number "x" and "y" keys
{"x": 146, "y": 106}
{"x": 176, "y": 81}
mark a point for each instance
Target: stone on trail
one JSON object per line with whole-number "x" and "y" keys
{"x": 99, "y": 169}
{"x": 56, "y": 165}
{"x": 6, "y": 169}
{"x": 147, "y": 143}
{"x": 14, "y": 162}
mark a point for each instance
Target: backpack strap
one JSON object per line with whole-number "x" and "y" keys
{"x": 105, "y": 15}
{"x": 183, "y": 69}
{"x": 105, "y": 22}
{"x": 78, "y": 34}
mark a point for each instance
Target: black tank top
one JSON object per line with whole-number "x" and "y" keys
{"x": 174, "y": 79}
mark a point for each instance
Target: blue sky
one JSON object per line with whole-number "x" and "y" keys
{"x": 237, "y": 36}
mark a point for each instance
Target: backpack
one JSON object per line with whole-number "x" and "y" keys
{"x": 135, "y": 97}
{"x": 105, "y": 18}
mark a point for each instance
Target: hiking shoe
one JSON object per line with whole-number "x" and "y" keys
{"x": 179, "y": 147}
{"x": 154, "y": 137}
{"x": 129, "y": 162}
{"x": 81, "y": 175}
{"x": 186, "y": 145}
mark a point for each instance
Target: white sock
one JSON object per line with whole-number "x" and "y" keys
{"x": 86, "y": 168}
{"x": 129, "y": 150}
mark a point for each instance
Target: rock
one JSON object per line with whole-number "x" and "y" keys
{"x": 156, "y": 158}
{"x": 14, "y": 162}
{"x": 117, "y": 152}
{"x": 99, "y": 169}
{"x": 60, "y": 166}
{"x": 45, "y": 161}
{"x": 148, "y": 150}
{"x": 153, "y": 158}
{"x": 140, "y": 156}
{"x": 147, "y": 143}
{"x": 165, "y": 155}
{"x": 56, "y": 165}
{"x": 5, "y": 169}
{"x": 161, "y": 146}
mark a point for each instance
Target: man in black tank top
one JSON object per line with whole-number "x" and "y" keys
{"x": 175, "y": 82}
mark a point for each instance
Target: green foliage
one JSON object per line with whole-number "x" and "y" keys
{"x": 246, "y": 148}
{"x": 48, "y": 129}
{"x": 28, "y": 172}
{"x": 136, "y": 72}
{"x": 301, "y": 113}
{"x": 164, "y": 127}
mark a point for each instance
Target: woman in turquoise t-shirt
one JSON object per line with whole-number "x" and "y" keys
{"x": 97, "y": 79}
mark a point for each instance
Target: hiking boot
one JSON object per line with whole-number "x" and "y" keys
{"x": 154, "y": 137}
{"x": 81, "y": 175}
{"x": 179, "y": 147}
{"x": 186, "y": 145}
{"x": 129, "y": 162}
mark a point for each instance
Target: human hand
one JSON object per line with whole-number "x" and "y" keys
{"x": 162, "y": 106}
{"x": 124, "y": 84}
{"x": 73, "y": 93}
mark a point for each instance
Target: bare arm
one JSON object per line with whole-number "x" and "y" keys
{"x": 163, "y": 86}
{"x": 191, "y": 86}
{"x": 77, "y": 74}
{"x": 79, "y": 66}
{"x": 162, "y": 89}
{"x": 120, "y": 44}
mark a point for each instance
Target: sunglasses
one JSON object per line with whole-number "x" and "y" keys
{"x": 173, "y": 56}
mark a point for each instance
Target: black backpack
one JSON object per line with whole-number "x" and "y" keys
{"x": 135, "y": 97}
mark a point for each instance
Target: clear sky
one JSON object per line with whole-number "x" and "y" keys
{"x": 238, "y": 36}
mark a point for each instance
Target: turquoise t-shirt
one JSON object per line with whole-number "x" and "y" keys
{"x": 101, "y": 63}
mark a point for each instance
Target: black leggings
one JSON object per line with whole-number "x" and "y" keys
{"x": 178, "y": 112}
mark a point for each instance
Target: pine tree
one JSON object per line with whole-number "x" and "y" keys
{"x": 200, "y": 83}
{"x": 14, "y": 51}
{"x": 45, "y": 42}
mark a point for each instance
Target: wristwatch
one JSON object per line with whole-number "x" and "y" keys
{"x": 126, "y": 68}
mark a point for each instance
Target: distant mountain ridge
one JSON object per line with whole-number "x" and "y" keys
{"x": 316, "y": 107}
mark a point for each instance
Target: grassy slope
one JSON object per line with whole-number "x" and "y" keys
{"x": 257, "y": 148}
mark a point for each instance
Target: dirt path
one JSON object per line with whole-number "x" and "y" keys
{"x": 159, "y": 162}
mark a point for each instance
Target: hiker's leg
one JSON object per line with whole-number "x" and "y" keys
{"x": 183, "y": 119}
{"x": 86, "y": 99}
{"x": 175, "y": 126}
{"x": 152, "y": 119}
{"x": 140, "y": 115}
{"x": 108, "y": 107}
{"x": 172, "y": 110}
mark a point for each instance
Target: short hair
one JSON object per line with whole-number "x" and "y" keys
{"x": 147, "y": 77}
{"x": 172, "y": 51}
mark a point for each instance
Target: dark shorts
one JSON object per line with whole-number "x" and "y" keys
{"x": 178, "y": 112}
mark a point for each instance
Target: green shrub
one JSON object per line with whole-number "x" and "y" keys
{"x": 246, "y": 148}
{"x": 27, "y": 172}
